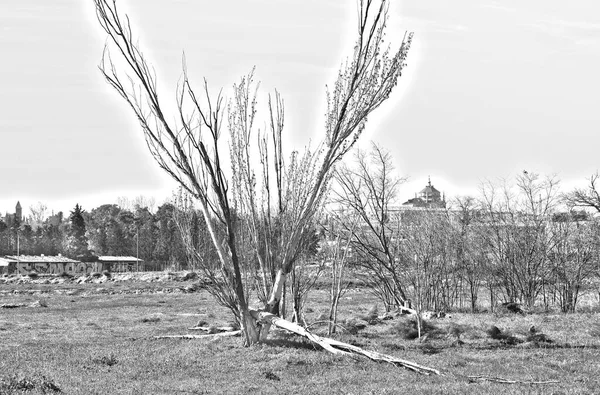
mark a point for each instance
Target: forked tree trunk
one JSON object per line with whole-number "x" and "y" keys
{"x": 250, "y": 330}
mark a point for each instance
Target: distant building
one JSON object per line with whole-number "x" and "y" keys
{"x": 41, "y": 264}
{"x": 121, "y": 263}
{"x": 428, "y": 197}
{"x": 7, "y": 265}
{"x": 14, "y": 219}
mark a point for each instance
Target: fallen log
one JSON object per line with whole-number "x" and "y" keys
{"x": 12, "y": 305}
{"x": 221, "y": 334}
{"x": 337, "y": 347}
{"x": 192, "y": 314}
{"x": 502, "y": 380}
{"x": 210, "y": 329}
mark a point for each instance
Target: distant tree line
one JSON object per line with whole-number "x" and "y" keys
{"x": 518, "y": 241}
{"x": 105, "y": 230}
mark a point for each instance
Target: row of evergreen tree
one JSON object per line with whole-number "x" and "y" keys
{"x": 105, "y": 230}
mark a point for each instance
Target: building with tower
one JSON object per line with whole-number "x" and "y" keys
{"x": 428, "y": 197}
{"x": 15, "y": 219}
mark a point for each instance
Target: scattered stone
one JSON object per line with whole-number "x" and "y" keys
{"x": 429, "y": 315}
{"x": 271, "y": 376}
{"x": 535, "y": 337}
{"x": 353, "y": 325}
{"x": 39, "y": 303}
{"x": 497, "y": 334}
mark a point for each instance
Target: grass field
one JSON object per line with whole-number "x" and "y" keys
{"x": 98, "y": 339}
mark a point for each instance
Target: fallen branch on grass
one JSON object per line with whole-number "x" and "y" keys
{"x": 507, "y": 381}
{"x": 331, "y": 345}
{"x": 327, "y": 322}
{"x": 192, "y": 314}
{"x": 337, "y": 347}
{"x": 222, "y": 334}
{"x": 213, "y": 329}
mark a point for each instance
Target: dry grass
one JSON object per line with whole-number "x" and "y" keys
{"x": 93, "y": 342}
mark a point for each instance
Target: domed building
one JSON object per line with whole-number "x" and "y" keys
{"x": 428, "y": 197}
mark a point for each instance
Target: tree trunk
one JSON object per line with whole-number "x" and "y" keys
{"x": 333, "y": 314}
{"x": 276, "y": 294}
{"x": 250, "y": 330}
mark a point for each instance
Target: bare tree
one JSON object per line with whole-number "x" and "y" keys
{"x": 188, "y": 148}
{"x": 574, "y": 256}
{"x": 336, "y": 251}
{"x": 586, "y": 197}
{"x": 429, "y": 251}
{"x": 38, "y": 212}
{"x": 470, "y": 259}
{"x": 366, "y": 196}
{"x": 516, "y": 236}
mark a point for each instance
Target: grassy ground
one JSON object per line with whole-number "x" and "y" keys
{"x": 92, "y": 342}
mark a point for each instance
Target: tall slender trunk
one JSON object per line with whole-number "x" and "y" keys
{"x": 276, "y": 293}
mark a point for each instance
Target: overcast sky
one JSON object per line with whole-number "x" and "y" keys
{"x": 491, "y": 88}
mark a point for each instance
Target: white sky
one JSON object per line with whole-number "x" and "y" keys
{"x": 491, "y": 88}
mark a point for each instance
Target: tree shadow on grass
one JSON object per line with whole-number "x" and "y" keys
{"x": 291, "y": 342}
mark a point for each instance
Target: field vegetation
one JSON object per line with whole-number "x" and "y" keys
{"x": 312, "y": 244}
{"x": 100, "y": 338}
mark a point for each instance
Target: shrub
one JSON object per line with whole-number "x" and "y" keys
{"x": 96, "y": 275}
{"x": 150, "y": 319}
{"x": 32, "y": 275}
{"x": 65, "y": 275}
{"x": 110, "y": 360}
{"x": 407, "y": 328}
{"x": 25, "y": 384}
{"x": 371, "y": 316}
{"x": 106, "y": 273}
{"x": 189, "y": 276}
{"x": 497, "y": 334}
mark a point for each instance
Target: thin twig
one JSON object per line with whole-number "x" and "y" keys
{"x": 502, "y": 380}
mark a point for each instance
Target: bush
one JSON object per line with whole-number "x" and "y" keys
{"x": 408, "y": 330}
{"x": 65, "y": 275}
{"x": 16, "y": 384}
{"x": 32, "y": 275}
{"x": 189, "y": 276}
{"x": 96, "y": 275}
{"x": 110, "y": 360}
{"x": 106, "y": 273}
{"x": 150, "y": 319}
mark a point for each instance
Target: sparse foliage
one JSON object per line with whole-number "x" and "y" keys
{"x": 188, "y": 148}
